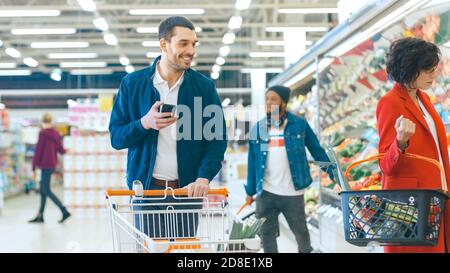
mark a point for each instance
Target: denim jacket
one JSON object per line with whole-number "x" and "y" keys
{"x": 298, "y": 136}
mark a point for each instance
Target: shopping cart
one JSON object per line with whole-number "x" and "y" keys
{"x": 179, "y": 223}
{"x": 391, "y": 217}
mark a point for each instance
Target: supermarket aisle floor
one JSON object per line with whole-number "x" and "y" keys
{"x": 82, "y": 232}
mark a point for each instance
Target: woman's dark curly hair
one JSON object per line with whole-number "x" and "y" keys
{"x": 408, "y": 57}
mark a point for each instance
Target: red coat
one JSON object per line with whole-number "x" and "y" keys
{"x": 400, "y": 172}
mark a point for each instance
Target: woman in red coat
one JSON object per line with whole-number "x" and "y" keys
{"x": 408, "y": 122}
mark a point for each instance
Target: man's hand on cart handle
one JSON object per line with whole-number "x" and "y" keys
{"x": 249, "y": 200}
{"x": 33, "y": 176}
{"x": 199, "y": 188}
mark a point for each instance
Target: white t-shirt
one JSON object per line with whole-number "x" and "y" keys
{"x": 432, "y": 127}
{"x": 166, "y": 164}
{"x": 278, "y": 178}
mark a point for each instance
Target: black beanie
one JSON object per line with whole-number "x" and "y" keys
{"x": 282, "y": 91}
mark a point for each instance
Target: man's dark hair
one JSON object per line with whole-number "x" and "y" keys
{"x": 166, "y": 27}
{"x": 408, "y": 57}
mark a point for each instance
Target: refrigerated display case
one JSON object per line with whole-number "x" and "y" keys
{"x": 346, "y": 80}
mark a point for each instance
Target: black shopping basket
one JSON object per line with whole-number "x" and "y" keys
{"x": 392, "y": 217}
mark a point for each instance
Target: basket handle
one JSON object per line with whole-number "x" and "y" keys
{"x": 246, "y": 204}
{"x": 409, "y": 155}
{"x": 176, "y": 192}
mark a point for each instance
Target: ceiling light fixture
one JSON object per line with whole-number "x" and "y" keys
{"x": 229, "y": 38}
{"x": 42, "y": 31}
{"x": 72, "y": 55}
{"x": 30, "y": 62}
{"x": 242, "y": 4}
{"x": 101, "y": 23}
{"x": 110, "y": 39}
{"x": 235, "y": 22}
{"x": 224, "y": 51}
{"x": 150, "y": 43}
{"x": 166, "y": 11}
{"x": 19, "y": 72}
{"x": 59, "y": 44}
{"x": 82, "y": 64}
{"x": 12, "y": 52}
{"x": 87, "y": 5}
{"x": 29, "y": 13}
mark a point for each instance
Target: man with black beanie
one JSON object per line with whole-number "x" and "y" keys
{"x": 278, "y": 171}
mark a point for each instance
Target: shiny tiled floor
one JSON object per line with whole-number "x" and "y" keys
{"x": 84, "y": 232}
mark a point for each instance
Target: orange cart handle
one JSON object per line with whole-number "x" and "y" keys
{"x": 409, "y": 155}
{"x": 176, "y": 192}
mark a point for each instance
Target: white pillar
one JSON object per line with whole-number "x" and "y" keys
{"x": 294, "y": 45}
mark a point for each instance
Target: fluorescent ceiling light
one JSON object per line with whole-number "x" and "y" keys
{"x": 153, "y": 54}
{"x": 87, "y": 5}
{"x": 71, "y": 102}
{"x": 198, "y": 29}
{"x": 226, "y": 102}
{"x": 267, "y": 70}
{"x": 72, "y": 55}
{"x": 19, "y": 72}
{"x": 235, "y": 22}
{"x": 13, "y": 52}
{"x": 447, "y": 44}
{"x": 220, "y": 60}
{"x": 82, "y": 64}
{"x": 147, "y": 30}
{"x": 30, "y": 62}
{"x": 215, "y": 75}
{"x": 150, "y": 43}
{"x": 56, "y": 76}
{"x": 193, "y": 63}
{"x": 110, "y": 39}
{"x": 278, "y": 43}
{"x": 224, "y": 51}
{"x": 266, "y": 54}
{"x": 91, "y": 71}
{"x": 307, "y": 29}
{"x": 229, "y": 38}
{"x": 124, "y": 61}
{"x": 129, "y": 69}
{"x": 59, "y": 44}
{"x": 1, "y": 43}
{"x": 242, "y": 4}
{"x": 309, "y": 10}
{"x": 166, "y": 11}
{"x": 216, "y": 68}
{"x": 100, "y": 23}
{"x": 42, "y": 31}
{"x": 29, "y": 13}
{"x": 8, "y": 65}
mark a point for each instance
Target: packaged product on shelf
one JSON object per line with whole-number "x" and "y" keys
{"x": 79, "y": 177}
{"x": 91, "y": 162}
{"x": 68, "y": 180}
{"x": 68, "y": 162}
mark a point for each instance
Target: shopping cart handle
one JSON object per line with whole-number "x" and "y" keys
{"x": 176, "y": 192}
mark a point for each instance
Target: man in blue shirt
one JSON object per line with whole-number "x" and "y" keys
{"x": 181, "y": 150}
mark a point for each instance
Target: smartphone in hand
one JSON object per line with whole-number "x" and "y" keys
{"x": 168, "y": 108}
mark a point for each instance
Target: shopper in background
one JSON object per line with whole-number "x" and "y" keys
{"x": 278, "y": 170}
{"x": 408, "y": 122}
{"x": 156, "y": 155}
{"x": 46, "y": 158}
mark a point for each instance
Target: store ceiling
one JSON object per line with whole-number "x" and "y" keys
{"x": 213, "y": 23}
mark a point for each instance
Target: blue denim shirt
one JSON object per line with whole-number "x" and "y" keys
{"x": 298, "y": 136}
{"x": 197, "y": 157}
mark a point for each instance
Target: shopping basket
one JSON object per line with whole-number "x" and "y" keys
{"x": 391, "y": 217}
{"x": 183, "y": 224}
